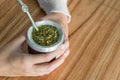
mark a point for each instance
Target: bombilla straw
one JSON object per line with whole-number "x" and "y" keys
{"x": 25, "y": 9}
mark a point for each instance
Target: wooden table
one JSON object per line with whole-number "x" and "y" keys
{"x": 94, "y": 34}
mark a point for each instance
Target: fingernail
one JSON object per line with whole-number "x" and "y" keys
{"x": 67, "y": 53}
{"x": 62, "y": 60}
{"x": 67, "y": 43}
{"x": 57, "y": 56}
{"x": 63, "y": 46}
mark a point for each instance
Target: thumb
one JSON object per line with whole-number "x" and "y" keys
{"x": 17, "y": 42}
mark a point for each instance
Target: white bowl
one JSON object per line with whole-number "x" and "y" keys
{"x": 40, "y": 48}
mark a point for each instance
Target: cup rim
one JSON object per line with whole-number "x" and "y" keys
{"x": 40, "y": 48}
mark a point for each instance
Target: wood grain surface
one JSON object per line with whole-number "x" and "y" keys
{"x": 94, "y": 34}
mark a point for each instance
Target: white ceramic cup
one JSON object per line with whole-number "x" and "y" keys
{"x": 40, "y": 48}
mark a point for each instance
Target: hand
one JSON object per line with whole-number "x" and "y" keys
{"x": 15, "y": 62}
{"x": 61, "y": 19}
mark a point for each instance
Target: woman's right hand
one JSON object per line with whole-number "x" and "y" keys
{"x": 15, "y": 62}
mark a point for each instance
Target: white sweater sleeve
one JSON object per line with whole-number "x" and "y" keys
{"x": 59, "y": 6}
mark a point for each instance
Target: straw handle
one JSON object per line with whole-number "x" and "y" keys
{"x": 34, "y": 24}
{"x": 20, "y": 2}
{"x": 25, "y": 9}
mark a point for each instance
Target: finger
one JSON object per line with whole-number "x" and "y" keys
{"x": 34, "y": 74}
{"x": 17, "y": 41}
{"x": 41, "y": 58}
{"x": 46, "y": 68}
{"x": 66, "y": 47}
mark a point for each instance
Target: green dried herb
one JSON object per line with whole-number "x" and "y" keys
{"x": 46, "y": 35}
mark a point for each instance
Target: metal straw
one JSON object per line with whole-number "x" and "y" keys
{"x": 25, "y": 9}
